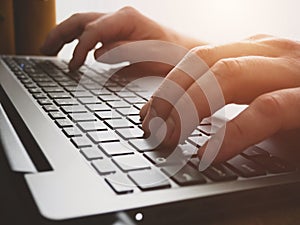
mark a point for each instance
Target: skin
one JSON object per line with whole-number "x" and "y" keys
{"x": 262, "y": 71}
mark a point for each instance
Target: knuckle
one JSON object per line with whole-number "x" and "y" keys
{"x": 205, "y": 53}
{"x": 269, "y": 105}
{"x": 128, "y": 10}
{"x": 76, "y": 15}
{"x": 284, "y": 44}
{"x": 227, "y": 68}
{"x": 259, "y": 37}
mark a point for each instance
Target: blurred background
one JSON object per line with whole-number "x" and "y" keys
{"x": 215, "y": 21}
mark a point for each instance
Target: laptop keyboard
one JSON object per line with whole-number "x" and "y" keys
{"x": 101, "y": 118}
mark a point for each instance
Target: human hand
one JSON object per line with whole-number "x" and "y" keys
{"x": 262, "y": 71}
{"x": 112, "y": 30}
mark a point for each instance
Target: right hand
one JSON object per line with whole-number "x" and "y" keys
{"x": 111, "y": 29}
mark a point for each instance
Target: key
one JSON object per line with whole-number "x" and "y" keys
{"x": 91, "y": 153}
{"x": 53, "y": 89}
{"x": 184, "y": 175}
{"x": 255, "y": 151}
{"x": 188, "y": 150}
{"x": 120, "y": 183}
{"x": 62, "y": 123}
{"x": 82, "y": 117}
{"x": 145, "y": 94}
{"x": 44, "y": 102}
{"x": 208, "y": 129}
{"x": 104, "y": 166}
{"x": 126, "y": 94}
{"x": 59, "y": 95}
{"x": 139, "y": 106}
{"x": 80, "y": 94}
{"x": 118, "y": 104}
{"x": 72, "y": 131}
{"x": 116, "y": 148}
{"x": 142, "y": 145}
{"x": 219, "y": 173}
{"x": 118, "y": 123}
{"x": 75, "y": 89}
{"x": 98, "y": 107}
{"x": 107, "y": 98}
{"x": 103, "y": 136}
{"x": 39, "y": 96}
{"x": 34, "y": 90}
{"x": 104, "y": 115}
{"x": 149, "y": 179}
{"x": 128, "y": 111}
{"x": 81, "y": 142}
{"x": 50, "y": 108}
{"x": 164, "y": 157}
{"x": 273, "y": 164}
{"x": 47, "y": 84}
{"x": 245, "y": 167}
{"x": 135, "y": 100}
{"x": 129, "y": 133}
{"x": 91, "y": 100}
{"x": 57, "y": 115}
{"x": 198, "y": 140}
{"x": 135, "y": 119}
{"x": 131, "y": 162}
{"x": 73, "y": 109}
{"x": 92, "y": 126}
{"x": 65, "y": 102}
{"x": 196, "y": 133}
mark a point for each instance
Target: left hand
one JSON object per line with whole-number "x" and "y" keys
{"x": 262, "y": 71}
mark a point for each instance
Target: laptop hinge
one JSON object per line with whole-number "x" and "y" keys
{"x": 17, "y": 155}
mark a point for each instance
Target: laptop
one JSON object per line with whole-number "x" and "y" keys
{"x": 76, "y": 137}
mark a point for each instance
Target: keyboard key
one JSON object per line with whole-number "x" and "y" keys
{"x": 98, "y": 107}
{"x": 75, "y": 89}
{"x": 135, "y": 119}
{"x": 103, "y": 136}
{"x": 139, "y": 106}
{"x": 91, "y": 153}
{"x": 163, "y": 157}
{"x": 142, "y": 145}
{"x": 72, "y": 131}
{"x": 273, "y": 164}
{"x": 196, "y": 133}
{"x": 126, "y": 94}
{"x": 219, "y": 173}
{"x": 59, "y": 95}
{"x": 82, "y": 117}
{"x": 135, "y": 100}
{"x": 47, "y": 84}
{"x": 184, "y": 175}
{"x": 198, "y": 140}
{"x": 57, "y": 115}
{"x": 118, "y": 104}
{"x": 118, "y": 123}
{"x": 245, "y": 167}
{"x": 208, "y": 129}
{"x": 116, "y": 148}
{"x": 131, "y": 162}
{"x": 74, "y": 109}
{"x": 39, "y": 96}
{"x": 255, "y": 151}
{"x": 104, "y": 166}
{"x": 53, "y": 89}
{"x": 62, "y": 123}
{"x": 90, "y": 100}
{"x": 120, "y": 183}
{"x": 81, "y": 142}
{"x": 65, "y": 102}
{"x": 34, "y": 90}
{"x": 107, "y": 98}
{"x": 188, "y": 149}
{"x": 128, "y": 111}
{"x": 104, "y": 115}
{"x": 130, "y": 133}
{"x": 44, "y": 102}
{"x": 50, "y": 108}
{"x": 92, "y": 126}
{"x": 149, "y": 179}
{"x": 80, "y": 94}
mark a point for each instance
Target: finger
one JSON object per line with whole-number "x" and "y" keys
{"x": 195, "y": 64}
{"x": 271, "y": 112}
{"x": 239, "y": 81}
{"x": 67, "y": 31}
{"x": 111, "y": 27}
